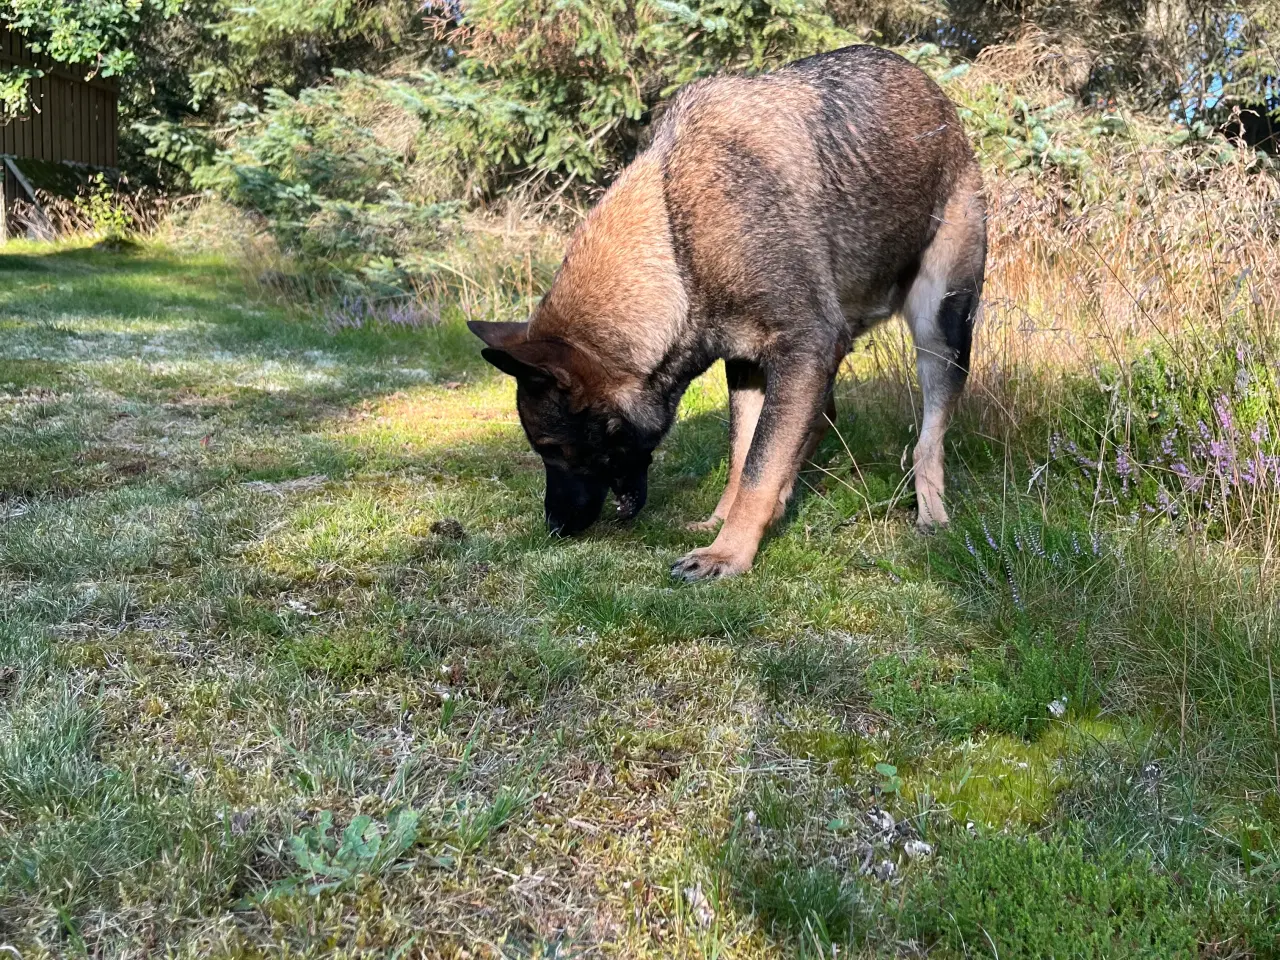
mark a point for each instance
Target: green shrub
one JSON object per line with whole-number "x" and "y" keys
{"x": 336, "y": 188}
{"x": 592, "y": 69}
{"x": 359, "y": 178}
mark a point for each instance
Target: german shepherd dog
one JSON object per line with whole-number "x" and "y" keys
{"x": 771, "y": 221}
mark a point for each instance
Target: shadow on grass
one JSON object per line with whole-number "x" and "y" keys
{"x": 210, "y": 299}
{"x": 178, "y": 360}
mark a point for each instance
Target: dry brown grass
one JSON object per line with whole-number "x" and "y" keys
{"x": 1036, "y": 63}
{"x": 138, "y": 211}
{"x": 1169, "y": 253}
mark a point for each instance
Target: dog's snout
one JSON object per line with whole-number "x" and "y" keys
{"x": 573, "y": 501}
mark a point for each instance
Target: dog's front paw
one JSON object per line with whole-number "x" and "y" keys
{"x": 708, "y": 563}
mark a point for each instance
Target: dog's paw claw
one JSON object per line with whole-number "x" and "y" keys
{"x": 704, "y": 564}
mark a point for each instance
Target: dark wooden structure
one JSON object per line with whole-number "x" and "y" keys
{"x": 71, "y": 120}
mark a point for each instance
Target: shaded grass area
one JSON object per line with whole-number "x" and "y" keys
{"x": 288, "y": 664}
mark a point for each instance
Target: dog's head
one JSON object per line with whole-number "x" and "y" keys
{"x": 587, "y": 443}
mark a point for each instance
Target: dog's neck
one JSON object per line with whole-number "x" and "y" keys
{"x": 619, "y": 294}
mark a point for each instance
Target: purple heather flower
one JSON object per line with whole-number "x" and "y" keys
{"x": 1037, "y": 544}
{"x": 990, "y": 540}
{"x": 1222, "y": 407}
{"x": 1249, "y": 472}
{"x": 1124, "y": 468}
{"x": 968, "y": 543}
{"x": 1013, "y": 586}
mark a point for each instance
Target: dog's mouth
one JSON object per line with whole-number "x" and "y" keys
{"x": 630, "y": 495}
{"x": 631, "y": 488}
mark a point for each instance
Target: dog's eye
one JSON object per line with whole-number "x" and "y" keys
{"x": 551, "y": 450}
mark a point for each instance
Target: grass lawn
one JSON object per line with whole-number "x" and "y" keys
{"x": 289, "y": 667}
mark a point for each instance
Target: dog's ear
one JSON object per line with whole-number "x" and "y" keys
{"x": 510, "y": 350}
{"x": 500, "y": 339}
{"x": 506, "y": 362}
{"x": 499, "y": 335}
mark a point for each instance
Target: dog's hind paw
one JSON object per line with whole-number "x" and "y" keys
{"x": 707, "y": 563}
{"x": 928, "y": 522}
{"x": 932, "y": 515}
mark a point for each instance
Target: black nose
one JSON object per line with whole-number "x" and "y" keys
{"x": 573, "y": 500}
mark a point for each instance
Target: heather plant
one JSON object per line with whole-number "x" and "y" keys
{"x": 1214, "y": 471}
{"x": 355, "y": 311}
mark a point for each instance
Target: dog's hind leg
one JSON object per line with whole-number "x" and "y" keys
{"x": 746, "y": 397}
{"x": 941, "y": 308}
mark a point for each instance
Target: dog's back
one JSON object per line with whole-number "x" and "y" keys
{"x": 831, "y": 175}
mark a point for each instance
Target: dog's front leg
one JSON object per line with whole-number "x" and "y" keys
{"x": 795, "y": 396}
{"x": 746, "y": 384}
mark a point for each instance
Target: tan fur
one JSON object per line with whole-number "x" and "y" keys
{"x": 742, "y": 430}
{"x": 618, "y": 293}
{"x": 757, "y": 504}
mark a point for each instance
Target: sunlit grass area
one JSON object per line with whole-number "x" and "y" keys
{"x": 289, "y": 667}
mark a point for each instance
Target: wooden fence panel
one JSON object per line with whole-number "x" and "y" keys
{"x": 71, "y": 117}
